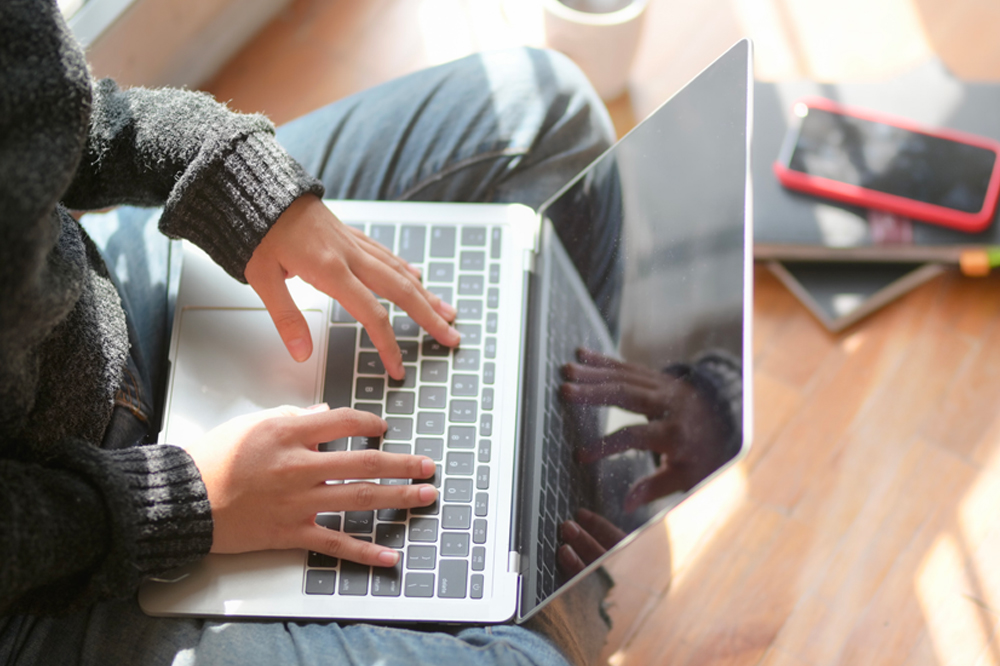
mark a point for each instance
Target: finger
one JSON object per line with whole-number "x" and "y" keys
{"x": 317, "y": 425}
{"x": 358, "y": 300}
{"x": 376, "y": 248}
{"x": 373, "y": 464}
{"x": 408, "y": 294}
{"x": 365, "y": 496}
{"x": 338, "y": 544}
{"x": 586, "y": 374}
{"x": 284, "y": 313}
{"x": 658, "y": 484}
{"x": 581, "y": 542}
{"x": 569, "y": 561}
{"x": 599, "y": 527}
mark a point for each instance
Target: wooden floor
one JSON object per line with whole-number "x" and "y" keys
{"x": 864, "y": 527}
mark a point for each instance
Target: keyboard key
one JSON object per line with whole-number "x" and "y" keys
{"x": 396, "y": 448}
{"x": 439, "y": 271}
{"x": 487, "y": 399}
{"x": 432, "y": 347}
{"x": 370, "y": 407}
{"x": 486, "y": 426}
{"x": 465, "y": 385}
{"x": 423, "y": 530}
{"x": 369, "y": 363}
{"x": 433, "y": 397}
{"x": 419, "y": 585}
{"x": 359, "y": 522}
{"x": 472, "y": 334}
{"x": 466, "y": 360}
{"x": 434, "y": 371}
{"x": 388, "y": 581}
{"x": 328, "y": 520}
{"x": 461, "y": 437}
{"x": 479, "y": 531}
{"x": 454, "y": 544}
{"x": 395, "y": 515}
{"x": 469, "y": 309}
{"x": 400, "y": 428}
{"x": 442, "y": 242}
{"x": 400, "y": 402}
{"x": 338, "y": 315}
{"x": 384, "y": 234}
{"x": 370, "y": 388}
{"x": 495, "y": 239}
{"x": 494, "y": 273}
{"x": 460, "y": 463}
{"x": 490, "y": 348}
{"x": 444, "y": 293}
{"x": 481, "y": 507}
{"x": 411, "y": 244}
{"x": 404, "y": 327}
{"x": 474, "y": 236}
{"x": 472, "y": 260}
{"x": 366, "y": 340}
{"x": 489, "y": 373}
{"x": 353, "y": 579}
{"x": 409, "y": 349}
{"x": 339, "y": 366}
{"x": 485, "y": 447}
{"x": 456, "y": 517}
{"x": 408, "y": 381}
{"x": 432, "y": 509}
{"x": 476, "y": 584}
{"x": 470, "y": 285}
{"x": 493, "y": 298}
{"x": 335, "y": 445}
{"x": 321, "y": 560}
{"x": 483, "y": 477}
{"x": 432, "y": 448}
{"x": 321, "y": 582}
{"x": 436, "y": 479}
{"x": 364, "y": 443}
{"x": 458, "y": 490}
{"x": 452, "y": 579}
{"x": 390, "y": 535}
{"x": 462, "y": 411}
{"x": 492, "y": 323}
{"x": 430, "y": 423}
{"x": 478, "y": 558}
{"x": 421, "y": 557}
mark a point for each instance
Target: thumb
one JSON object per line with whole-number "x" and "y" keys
{"x": 287, "y": 318}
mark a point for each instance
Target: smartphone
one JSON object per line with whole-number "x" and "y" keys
{"x": 877, "y": 161}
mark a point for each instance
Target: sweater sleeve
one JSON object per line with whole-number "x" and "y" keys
{"x": 220, "y": 176}
{"x": 85, "y": 524}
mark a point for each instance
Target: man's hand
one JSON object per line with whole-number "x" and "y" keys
{"x": 584, "y": 540}
{"x": 267, "y": 480}
{"x": 681, "y": 425}
{"x": 310, "y": 242}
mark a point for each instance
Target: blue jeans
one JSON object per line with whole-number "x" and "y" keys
{"x": 511, "y": 126}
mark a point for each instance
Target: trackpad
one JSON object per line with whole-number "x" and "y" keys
{"x": 232, "y": 362}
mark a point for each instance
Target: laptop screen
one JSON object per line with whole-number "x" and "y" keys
{"x": 658, "y": 231}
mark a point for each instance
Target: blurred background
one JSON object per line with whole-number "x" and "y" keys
{"x": 864, "y": 526}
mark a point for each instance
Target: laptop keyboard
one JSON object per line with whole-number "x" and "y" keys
{"x": 443, "y": 409}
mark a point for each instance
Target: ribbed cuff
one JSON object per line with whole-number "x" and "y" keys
{"x": 173, "y": 518}
{"x": 232, "y": 202}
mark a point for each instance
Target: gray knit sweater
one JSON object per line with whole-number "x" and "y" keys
{"x": 77, "y": 522}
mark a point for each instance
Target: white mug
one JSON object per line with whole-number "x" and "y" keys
{"x": 603, "y": 44}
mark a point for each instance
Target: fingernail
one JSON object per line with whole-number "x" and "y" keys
{"x": 455, "y": 335}
{"x": 570, "y": 529}
{"x": 449, "y": 308}
{"x": 427, "y": 494}
{"x": 321, "y": 407}
{"x": 299, "y": 349}
{"x": 388, "y": 558}
{"x": 426, "y": 468}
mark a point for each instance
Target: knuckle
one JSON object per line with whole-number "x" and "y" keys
{"x": 371, "y": 462}
{"x": 364, "y": 494}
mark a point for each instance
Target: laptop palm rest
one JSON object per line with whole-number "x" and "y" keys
{"x": 248, "y": 371}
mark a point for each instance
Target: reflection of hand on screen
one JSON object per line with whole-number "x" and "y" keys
{"x": 585, "y": 540}
{"x": 684, "y": 426}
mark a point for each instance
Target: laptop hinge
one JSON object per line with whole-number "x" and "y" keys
{"x": 529, "y": 261}
{"x": 514, "y": 562}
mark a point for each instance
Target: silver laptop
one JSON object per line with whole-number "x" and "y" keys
{"x": 644, "y": 257}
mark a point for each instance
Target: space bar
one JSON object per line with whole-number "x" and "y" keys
{"x": 339, "y": 366}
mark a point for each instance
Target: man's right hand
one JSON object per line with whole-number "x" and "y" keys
{"x": 267, "y": 480}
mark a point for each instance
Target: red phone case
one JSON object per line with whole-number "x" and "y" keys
{"x": 917, "y": 210}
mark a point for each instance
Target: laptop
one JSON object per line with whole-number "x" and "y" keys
{"x": 644, "y": 257}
